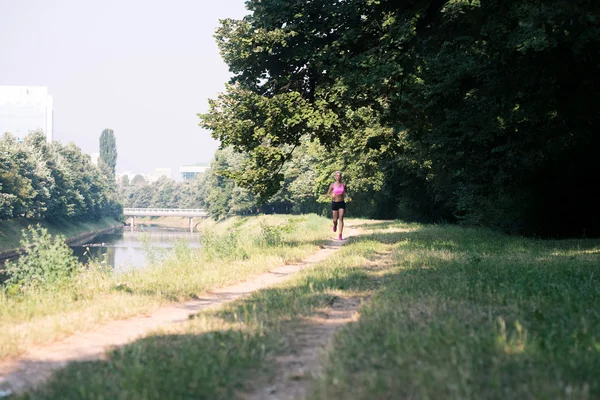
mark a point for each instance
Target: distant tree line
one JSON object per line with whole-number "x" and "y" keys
{"x": 305, "y": 179}
{"x": 52, "y": 181}
{"x": 220, "y": 195}
{"x": 479, "y": 112}
{"x": 163, "y": 193}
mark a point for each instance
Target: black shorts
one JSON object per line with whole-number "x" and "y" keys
{"x": 336, "y": 205}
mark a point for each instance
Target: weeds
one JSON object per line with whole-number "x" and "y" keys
{"x": 45, "y": 262}
{"x": 153, "y": 255}
{"x": 96, "y": 294}
{"x": 222, "y": 246}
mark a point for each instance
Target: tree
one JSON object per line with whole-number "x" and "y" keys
{"x": 108, "y": 151}
{"x": 16, "y": 178}
{"x": 125, "y": 181}
{"x": 138, "y": 180}
{"x": 481, "y": 112}
{"x": 52, "y": 181}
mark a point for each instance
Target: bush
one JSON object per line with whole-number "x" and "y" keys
{"x": 269, "y": 235}
{"x": 226, "y": 246}
{"x": 44, "y": 262}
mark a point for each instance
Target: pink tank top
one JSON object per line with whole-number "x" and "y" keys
{"x": 337, "y": 190}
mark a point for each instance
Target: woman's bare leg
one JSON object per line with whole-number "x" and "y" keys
{"x": 341, "y": 217}
{"x": 335, "y": 220}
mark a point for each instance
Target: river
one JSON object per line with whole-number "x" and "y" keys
{"x": 124, "y": 249}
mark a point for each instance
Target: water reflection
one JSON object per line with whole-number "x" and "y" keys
{"x": 124, "y": 249}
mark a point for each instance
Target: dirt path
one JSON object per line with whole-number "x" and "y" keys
{"x": 37, "y": 365}
{"x": 309, "y": 339}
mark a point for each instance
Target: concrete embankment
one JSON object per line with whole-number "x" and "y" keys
{"x": 11, "y": 232}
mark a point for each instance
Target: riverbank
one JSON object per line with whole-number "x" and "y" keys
{"x": 74, "y": 232}
{"x": 231, "y": 251}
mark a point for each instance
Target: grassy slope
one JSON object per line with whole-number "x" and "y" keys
{"x": 10, "y": 230}
{"x": 458, "y": 313}
{"x": 231, "y": 251}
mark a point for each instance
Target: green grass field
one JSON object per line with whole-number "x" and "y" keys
{"x": 452, "y": 313}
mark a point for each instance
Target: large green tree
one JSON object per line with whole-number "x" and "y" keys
{"x": 108, "y": 151}
{"x": 477, "y": 111}
{"x": 52, "y": 181}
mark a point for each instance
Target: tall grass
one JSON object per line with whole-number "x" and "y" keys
{"x": 453, "y": 313}
{"x": 472, "y": 314}
{"x": 231, "y": 251}
{"x": 222, "y": 353}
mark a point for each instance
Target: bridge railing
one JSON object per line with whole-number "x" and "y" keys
{"x": 173, "y": 210}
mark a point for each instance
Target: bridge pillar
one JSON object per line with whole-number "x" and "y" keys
{"x": 132, "y": 222}
{"x": 191, "y": 224}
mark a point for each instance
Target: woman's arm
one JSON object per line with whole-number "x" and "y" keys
{"x": 330, "y": 190}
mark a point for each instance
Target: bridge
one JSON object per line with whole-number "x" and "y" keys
{"x": 190, "y": 213}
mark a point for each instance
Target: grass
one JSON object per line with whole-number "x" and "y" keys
{"x": 95, "y": 296}
{"x": 451, "y": 313}
{"x": 218, "y": 354}
{"x": 468, "y": 314}
{"x": 10, "y": 230}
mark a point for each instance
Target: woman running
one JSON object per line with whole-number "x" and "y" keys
{"x": 338, "y": 192}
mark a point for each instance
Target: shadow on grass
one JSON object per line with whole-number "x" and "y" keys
{"x": 438, "y": 316}
{"x": 206, "y": 365}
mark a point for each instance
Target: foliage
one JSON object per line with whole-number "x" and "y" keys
{"x": 45, "y": 261}
{"x": 222, "y": 246}
{"x": 153, "y": 255}
{"x": 164, "y": 193}
{"x": 52, "y": 181}
{"x": 108, "y": 152}
{"x": 138, "y": 180}
{"x": 223, "y": 196}
{"x": 480, "y": 112}
{"x": 124, "y": 181}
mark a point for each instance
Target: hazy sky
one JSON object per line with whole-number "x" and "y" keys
{"x": 144, "y": 68}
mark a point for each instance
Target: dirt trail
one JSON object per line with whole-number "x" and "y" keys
{"x": 310, "y": 339}
{"x": 37, "y": 365}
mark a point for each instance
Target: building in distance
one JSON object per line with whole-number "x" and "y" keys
{"x": 95, "y": 157}
{"x": 25, "y": 109}
{"x": 189, "y": 172}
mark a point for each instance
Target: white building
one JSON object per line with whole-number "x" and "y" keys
{"x": 189, "y": 172}
{"x": 95, "y": 157}
{"x": 24, "y": 109}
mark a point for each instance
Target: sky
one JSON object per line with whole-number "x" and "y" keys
{"x": 144, "y": 68}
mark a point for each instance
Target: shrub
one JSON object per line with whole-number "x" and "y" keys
{"x": 226, "y": 246}
{"x": 44, "y": 261}
{"x": 270, "y": 235}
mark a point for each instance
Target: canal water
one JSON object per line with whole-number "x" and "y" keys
{"x": 124, "y": 249}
